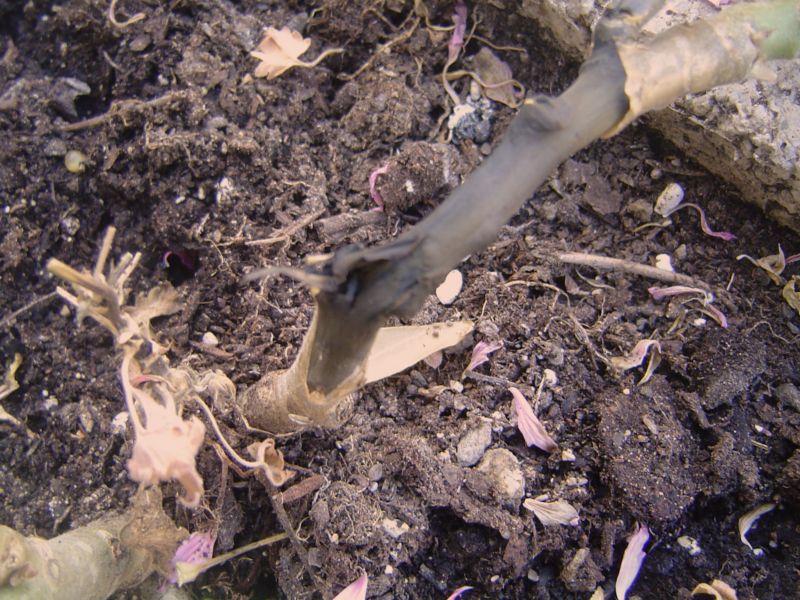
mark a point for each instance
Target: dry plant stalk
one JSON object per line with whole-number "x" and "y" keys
{"x": 90, "y": 562}
{"x": 357, "y": 289}
{"x": 165, "y": 444}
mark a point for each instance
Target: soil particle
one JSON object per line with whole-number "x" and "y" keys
{"x": 503, "y": 470}
{"x": 474, "y": 443}
{"x": 581, "y": 574}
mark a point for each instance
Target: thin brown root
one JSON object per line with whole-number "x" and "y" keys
{"x": 10, "y": 319}
{"x": 112, "y": 8}
{"x": 125, "y": 106}
{"x": 607, "y": 263}
{"x": 487, "y": 42}
{"x": 546, "y": 286}
{"x": 287, "y": 232}
{"x": 283, "y": 518}
{"x": 396, "y": 40}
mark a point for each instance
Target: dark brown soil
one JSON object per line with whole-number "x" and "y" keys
{"x": 221, "y": 161}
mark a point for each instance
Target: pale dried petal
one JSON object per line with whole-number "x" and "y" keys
{"x": 636, "y": 356}
{"x": 373, "y": 190}
{"x": 355, "y": 591}
{"x": 558, "y": 512}
{"x": 397, "y": 348}
{"x": 448, "y": 291}
{"x": 725, "y": 235}
{"x": 434, "y": 361}
{"x": 271, "y": 461}
{"x": 718, "y": 588}
{"x": 165, "y": 448}
{"x": 659, "y": 293}
{"x": 748, "y": 520}
{"x": 279, "y": 51}
{"x": 495, "y": 77}
{"x": 480, "y": 354}
{"x": 632, "y": 560}
{"x": 531, "y": 428}
{"x": 457, "y": 593}
{"x": 457, "y": 39}
{"x": 669, "y": 199}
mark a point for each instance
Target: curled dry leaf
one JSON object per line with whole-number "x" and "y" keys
{"x": 373, "y": 190}
{"x": 718, "y": 588}
{"x": 280, "y": 50}
{"x": 448, "y": 291}
{"x": 397, "y": 348}
{"x": 636, "y": 358}
{"x": 558, "y": 512}
{"x": 271, "y": 461}
{"x": 773, "y": 264}
{"x": 790, "y": 293}
{"x": 632, "y": 560}
{"x": 531, "y": 428}
{"x": 749, "y": 519}
{"x": 355, "y": 591}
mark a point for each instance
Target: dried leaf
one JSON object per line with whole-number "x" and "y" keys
{"x": 531, "y": 427}
{"x": 773, "y": 264}
{"x": 480, "y": 354}
{"x": 495, "y": 77}
{"x": 397, "y": 348}
{"x": 659, "y": 293}
{"x": 718, "y": 588}
{"x": 636, "y": 356}
{"x": 558, "y": 512}
{"x": 669, "y": 199}
{"x": 749, "y": 519}
{"x": 355, "y": 591}
{"x": 448, "y": 291}
{"x": 271, "y": 461}
{"x": 632, "y": 560}
{"x": 790, "y": 293}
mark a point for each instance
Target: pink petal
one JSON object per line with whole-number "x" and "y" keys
{"x": 196, "y": 549}
{"x": 355, "y": 591}
{"x": 531, "y": 428}
{"x": 457, "y": 593}
{"x": 632, "y": 560}
{"x": 373, "y": 191}
{"x": 455, "y": 43}
{"x": 480, "y": 354}
{"x": 717, "y": 315}
{"x": 725, "y": 235}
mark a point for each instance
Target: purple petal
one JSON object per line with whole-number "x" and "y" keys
{"x": 632, "y": 560}
{"x": 717, "y": 315}
{"x": 455, "y": 43}
{"x": 196, "y": 549}
{"x": 373, "y": 191}
{"x": 480, "y": 354}
{"x": 531, "y": 428}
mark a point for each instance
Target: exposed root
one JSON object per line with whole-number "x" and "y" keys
{"x": 112, "y": 8}
{"x": 396, "y": 40}
{"x": 125, "y": 106}
{"x": 607, "y": 263}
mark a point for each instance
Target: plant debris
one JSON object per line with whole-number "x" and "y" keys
{"x": 632, "y": 560}
{"x": 556, "y": 512}
{"x": 280, "y": 50}
{"x": 748, "y": 520}
{"x": 529, "y": 425}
